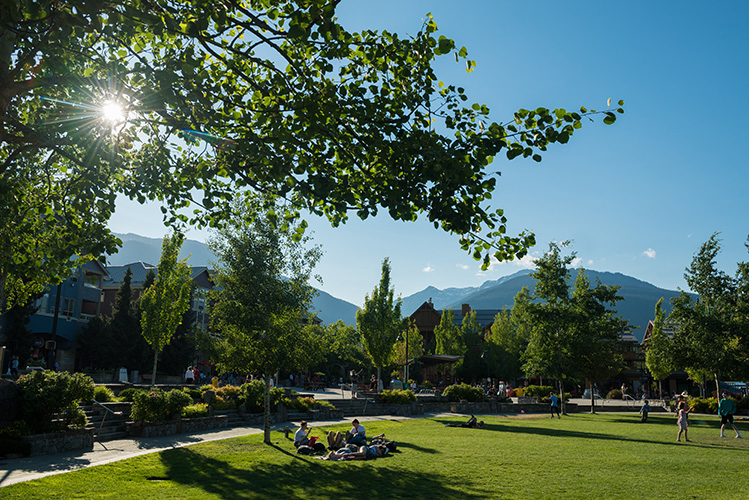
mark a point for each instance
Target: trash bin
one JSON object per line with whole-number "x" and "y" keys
{"x": 123, "y": 375}
{"x": 134, "y": 376}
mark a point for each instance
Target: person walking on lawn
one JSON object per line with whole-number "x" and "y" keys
{"x": 554, "y": 405}
{"x": 726, "y": 409}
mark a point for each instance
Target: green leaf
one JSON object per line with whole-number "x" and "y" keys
{"x": 610, "y": 118}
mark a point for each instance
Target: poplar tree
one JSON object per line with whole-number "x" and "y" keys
{"x": 164, "y": 303}
{"x": 380, "y": 321}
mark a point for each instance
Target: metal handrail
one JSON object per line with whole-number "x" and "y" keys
{"x": 101, "y": 426}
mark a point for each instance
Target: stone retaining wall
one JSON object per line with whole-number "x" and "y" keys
{"x": 172, "y": 427}
{"x": 56, "y": 442}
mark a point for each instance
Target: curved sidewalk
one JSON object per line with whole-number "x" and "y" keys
{"x": 18, "y": 470}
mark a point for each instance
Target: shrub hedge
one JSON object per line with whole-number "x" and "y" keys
{"x": 49, "y": 400}
{"x": 157, "y": 406}
{"x": 458, "y": 392}
{"x": 396, "y": 396}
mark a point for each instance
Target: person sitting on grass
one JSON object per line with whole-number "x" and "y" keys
{"x": 357, "y": 435}
{"x": 471, "y": 424}
{"x": 302, "y": 435}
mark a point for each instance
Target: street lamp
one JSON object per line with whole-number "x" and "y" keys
{"x": 405, "y": 366}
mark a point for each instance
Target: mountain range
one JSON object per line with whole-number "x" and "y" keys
{"x": 637, "y": 307}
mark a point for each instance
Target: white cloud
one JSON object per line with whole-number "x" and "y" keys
{"x": 590, "y": 262}
{"x": 527, "y": 262}
{"x": 649, "y": 253}
{"x": 428, "y": 269}
{"x": 576, "y": 262}
{"x": 464, "y": 267}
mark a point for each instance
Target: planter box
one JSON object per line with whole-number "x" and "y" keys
{"x": 56, "y": 442}
{"x": 152, "y": 429}
{"x": 173, "y": 427}
{"x": 191, "y": 425}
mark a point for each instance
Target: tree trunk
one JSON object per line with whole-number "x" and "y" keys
{"x": 717, "y": 387}
{"x": 592, "y": 399}
{"x": 155, "y": 361}
{"x": 266, "y": 410}
{"x": 561, "y": 397}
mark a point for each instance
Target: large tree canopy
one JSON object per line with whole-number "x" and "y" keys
{"x": 187, "y": 102}
{"x": 710, "y": 330}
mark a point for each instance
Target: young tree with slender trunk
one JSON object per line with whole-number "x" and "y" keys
{"x": 447, "y": 335}
{"x": 658, "y": 355}
{"x": 380, "y": 321}
{"x": 164, "y": 303}
{"x": 262, "y": 295}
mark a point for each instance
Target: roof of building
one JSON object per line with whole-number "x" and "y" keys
{"x": 140, "y": 271}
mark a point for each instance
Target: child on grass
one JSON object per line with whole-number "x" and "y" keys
{"x": 682, "y": 422}
{"x": 644, "y": 409}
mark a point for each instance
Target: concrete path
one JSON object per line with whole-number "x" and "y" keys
{"x": 18, "y": 470}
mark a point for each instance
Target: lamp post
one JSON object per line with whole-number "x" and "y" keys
{"x": 405, "y": 364}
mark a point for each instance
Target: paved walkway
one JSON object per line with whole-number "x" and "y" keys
{"x": 18, "y": 470}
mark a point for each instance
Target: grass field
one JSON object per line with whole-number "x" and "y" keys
{"x": 603, "y": 456}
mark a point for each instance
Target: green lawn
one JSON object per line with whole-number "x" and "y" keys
{"x": 581, "y": 456}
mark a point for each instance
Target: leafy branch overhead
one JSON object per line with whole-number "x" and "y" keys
{"x": 267, "y": 96}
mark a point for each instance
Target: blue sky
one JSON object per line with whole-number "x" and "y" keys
{"x": 638, "y": 197}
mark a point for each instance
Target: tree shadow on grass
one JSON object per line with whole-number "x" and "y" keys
{"x": 566, "y": 433}
{"x": 306, "y": 478}
{"x": 416, "y": 447}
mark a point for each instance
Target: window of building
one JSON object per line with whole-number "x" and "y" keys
{"x": 68, "y": 307}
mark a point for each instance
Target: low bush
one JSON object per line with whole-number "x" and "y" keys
{"x": 128, "y": 394}
{"x": 157, "y": 406}
{"x": 518, "y": 392}
{"x": 11, "y": 440}
{"x": 538, "y": 391}
{"x": 103, "y": 394}
{"x": 743, "y": 403}
{"x": 703, "y": 405}
{"x": 229, "y": 393}
{"x": 458, "y": 392}
{"x": 614, "y": 394}
{"x": 396, "y": 396}
{"x": 197, "y": 410}
{"x": 298, "y": 404}
{"x": 428, "y": 385}
{"x": 195, "y": 394}
{"x": 49, "y": 400}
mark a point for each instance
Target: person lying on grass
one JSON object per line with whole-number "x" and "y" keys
{"x": 472, "y": 424}
{"x": 364, "y": 453}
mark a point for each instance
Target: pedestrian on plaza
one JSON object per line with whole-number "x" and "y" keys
{"x": 726, "y": 409}
{"x": 189, "y": 375}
